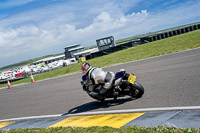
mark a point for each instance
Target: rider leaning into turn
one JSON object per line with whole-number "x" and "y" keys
{"x": 98, "y": 80}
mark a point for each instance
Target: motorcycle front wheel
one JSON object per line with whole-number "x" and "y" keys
{"x": 138, "y": 90}
{"x": 100, "y": 99}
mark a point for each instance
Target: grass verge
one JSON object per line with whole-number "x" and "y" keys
{"x": 131, "y": 129}
{"x": 161, "y": 47}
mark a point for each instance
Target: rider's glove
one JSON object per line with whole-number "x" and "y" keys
{"x": 83, "y": 83}
{"x": 85, "y": 88}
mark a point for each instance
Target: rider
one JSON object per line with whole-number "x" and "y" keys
{"x": 98, "y": 80}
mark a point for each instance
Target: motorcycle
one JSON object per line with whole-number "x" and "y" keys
{"x": 123, "y": 84}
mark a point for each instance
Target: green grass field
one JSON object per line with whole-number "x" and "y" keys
{"x": 161, "y": 47}
{"x": 103, "y": 130}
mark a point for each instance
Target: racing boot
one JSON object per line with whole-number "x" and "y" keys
{"x": 102, "y": 90}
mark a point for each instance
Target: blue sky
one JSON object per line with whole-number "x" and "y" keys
{"x": 34, "y": 28}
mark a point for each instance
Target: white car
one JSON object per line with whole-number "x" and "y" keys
{"x": 70, "y": 61}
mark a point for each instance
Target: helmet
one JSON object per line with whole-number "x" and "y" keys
{"x": 85, "y": 67}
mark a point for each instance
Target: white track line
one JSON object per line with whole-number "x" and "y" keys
{"x": 109, "y": 112}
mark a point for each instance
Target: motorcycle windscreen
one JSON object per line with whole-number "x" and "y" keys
{"x": 119, "y": 74}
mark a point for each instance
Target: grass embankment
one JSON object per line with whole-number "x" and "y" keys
{"x": 103, "y": 130}
{"x": 165, "y": 46}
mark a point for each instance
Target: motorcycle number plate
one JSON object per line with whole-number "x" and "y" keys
{"x": 131, "y": 78}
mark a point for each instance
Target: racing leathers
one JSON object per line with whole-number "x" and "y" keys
{"x": 99, "y": 81}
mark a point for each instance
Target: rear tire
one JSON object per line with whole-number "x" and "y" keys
{"x": 138, "y": 90}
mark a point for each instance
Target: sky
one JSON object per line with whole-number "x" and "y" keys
{"x": 35, "y": 28}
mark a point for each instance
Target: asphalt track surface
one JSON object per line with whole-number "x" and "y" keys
{"x": 170, "y": 81}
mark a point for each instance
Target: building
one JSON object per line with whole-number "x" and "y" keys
{"x": 71, "y": 50}
{"x": 50, "y": 59}
{"x": 85, "y": 53}
{"x": 102, "y": 44}
{"x": 105, "y": 43}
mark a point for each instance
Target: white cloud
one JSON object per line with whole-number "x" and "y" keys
{"x": 37, "y": 38}
{"x": 104, "y": 16}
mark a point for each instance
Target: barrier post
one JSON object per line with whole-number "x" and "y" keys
{"x": 32, "y": 79}
{"x": 9, "y": 86}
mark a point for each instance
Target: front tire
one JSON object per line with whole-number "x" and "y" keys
{"x": 138, "y": 90}
{"x": 100, "y": 99}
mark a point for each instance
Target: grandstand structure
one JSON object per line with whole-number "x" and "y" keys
{"x": 71, "y": 50}
{"x": 105, "y": 43}
{"x": 50, "y": 59}
{"x": 85, "y": 53}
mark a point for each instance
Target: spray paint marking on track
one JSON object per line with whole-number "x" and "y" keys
{"x": 111, "y": 120}
{"x": 3, "y": 124}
